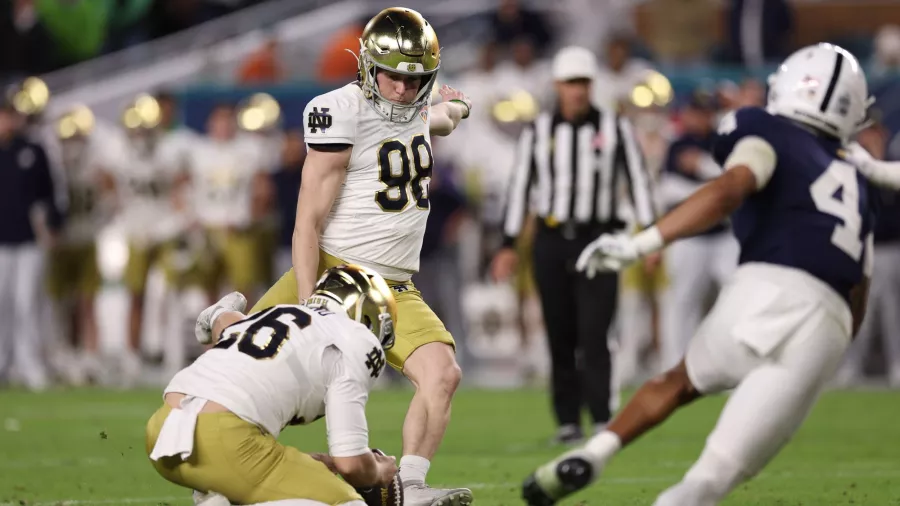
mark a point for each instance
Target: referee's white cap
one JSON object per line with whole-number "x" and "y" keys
{"x": 574, "y": 62}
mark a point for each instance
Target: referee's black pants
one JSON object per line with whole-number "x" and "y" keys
{"x": 577, "y": 314}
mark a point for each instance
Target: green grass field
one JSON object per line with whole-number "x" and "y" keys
{"x": 87, "y": 447}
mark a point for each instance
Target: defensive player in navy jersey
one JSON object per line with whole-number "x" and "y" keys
{"x": 779, "y": 328}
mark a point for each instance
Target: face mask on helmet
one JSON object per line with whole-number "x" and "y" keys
{"x": 822, "y": 86}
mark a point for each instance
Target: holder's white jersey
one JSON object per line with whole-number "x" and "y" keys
{"x": 378, "y": 218}
{"x": 222, "y": 176}
{"x": 291, "y": 365}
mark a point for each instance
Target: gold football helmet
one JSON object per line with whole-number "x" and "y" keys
{"x": 399, "y": 40}
{"x": 363, "y": 295}
{"x": 143, "y": 113}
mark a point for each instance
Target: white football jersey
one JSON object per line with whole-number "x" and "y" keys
{"x": 222, "y": 180}
{"x": 378, "y": 218}
{"x": 291, "y": 365}
{"x": 144, "y": 185}
{"x": 88, "y": 208}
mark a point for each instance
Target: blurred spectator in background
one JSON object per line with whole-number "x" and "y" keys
{"x": 886, "y": 59}
{"x": 620, "y": 74}
{"x": 681, "y": 29}
{"x": 286, "y": 182}
{"x": 79, "y": 28}
{"x": 26, "y": 46}
{"x": 29, "y": 215}
{"x": 759, "y": 31}
{"x": 698, "y": 265}
{"x": 883, "y": 312}
{"x": 262, "y": 65}
{"x": 128, "y": 24}
{"x": 511, "y": 22}
{"x": 335, "y": 63}
{"x": 170, "y": 16}
{"x": 524, "y": 71}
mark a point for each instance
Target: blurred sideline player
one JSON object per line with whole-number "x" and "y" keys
{"x": 642, "y": 283}
{"x": 73, "y": 275}
{"x": 779, "y": 329}
{"x": 289, "y": 365}
{"x": 224, "y": 171}
{"x": 698, "y": 264}
{"x": 364, "y": 199}
{"x": 144, "y": 185}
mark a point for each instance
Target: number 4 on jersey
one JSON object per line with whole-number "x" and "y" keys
{"x": 841, "y": 177}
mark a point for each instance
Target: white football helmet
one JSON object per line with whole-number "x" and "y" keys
{"x": 822, "y": 86}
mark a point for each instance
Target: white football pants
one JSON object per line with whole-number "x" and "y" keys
{"x": 776, "y": 335}
{"x": 694, "y": 267}
{"x": 21, "y": 280}
{"x": 882, "y": 315}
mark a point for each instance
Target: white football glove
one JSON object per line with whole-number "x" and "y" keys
{"x": 880, "y": 172}
{"x": 614, "y": 252}
{"x": 608, "y": 253}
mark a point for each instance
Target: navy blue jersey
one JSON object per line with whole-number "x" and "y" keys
{"x": 815, "y": 212}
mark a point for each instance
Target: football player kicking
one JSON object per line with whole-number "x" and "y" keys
{"x": 288, "y": 365}
{"x": 364, "y": 200}
{"x": 777, "y": 332}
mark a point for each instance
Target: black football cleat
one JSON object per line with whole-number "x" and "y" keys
{"x": 556, "y": 480}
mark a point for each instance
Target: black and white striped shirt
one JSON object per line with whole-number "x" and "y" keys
{"x": 570, "y": 173}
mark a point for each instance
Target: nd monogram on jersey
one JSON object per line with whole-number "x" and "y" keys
{"x": 378, "y": 218}
{"x": 290, "y": 365}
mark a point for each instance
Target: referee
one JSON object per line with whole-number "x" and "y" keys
{"x": 570, "y": 165}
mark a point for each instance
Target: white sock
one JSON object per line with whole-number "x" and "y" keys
{"x": 413, "y": 469}
{"x": 603, "y": 446}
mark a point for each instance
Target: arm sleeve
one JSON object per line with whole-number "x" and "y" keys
{"x": 345, "y": 411}
{"x": 756, "y": 154}
{"x": 630, "y": 159}
{"x": 331, "y": 119}
{"x": 519, "y": 190}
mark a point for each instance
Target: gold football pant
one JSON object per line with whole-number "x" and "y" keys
{"x": 247, "y": 465}
{"x": 416, "y": 324}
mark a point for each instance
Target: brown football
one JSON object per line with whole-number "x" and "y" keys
{"x": 383, "y": 496}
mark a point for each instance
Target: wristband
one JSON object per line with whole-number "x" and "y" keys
{"x": 468, "y": 108}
